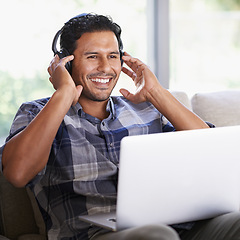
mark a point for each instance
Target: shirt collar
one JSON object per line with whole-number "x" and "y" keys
{"x": 77, "y": 108}
{"x": 110, "y": 108}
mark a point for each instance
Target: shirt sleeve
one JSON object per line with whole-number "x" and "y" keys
{"x": 25, "y": 114}
{"x": 210, "y": 125}
{"x": 168, "y": 127}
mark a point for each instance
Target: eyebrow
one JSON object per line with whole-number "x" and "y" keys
{"x": 89, "y": 53}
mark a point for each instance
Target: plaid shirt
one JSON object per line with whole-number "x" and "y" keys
{"x": 81, "y": 174}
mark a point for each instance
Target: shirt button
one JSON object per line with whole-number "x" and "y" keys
{"x": 111, "y": 144}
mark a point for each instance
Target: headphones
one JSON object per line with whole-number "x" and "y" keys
{"x": 64, "y": 52}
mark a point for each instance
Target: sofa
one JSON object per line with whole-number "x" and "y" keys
{"x": 221, "y": 108}
{"x": 20, "y": 217}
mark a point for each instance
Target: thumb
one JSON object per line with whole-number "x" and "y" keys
{"x": 126, "y": 94}
{"x": 79, "y": 89}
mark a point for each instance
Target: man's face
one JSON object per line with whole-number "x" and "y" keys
{"x": 96, "y": 65}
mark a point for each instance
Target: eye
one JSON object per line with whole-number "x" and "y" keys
{"x": 113, "y": 56}
{"x": 92, "y": 57}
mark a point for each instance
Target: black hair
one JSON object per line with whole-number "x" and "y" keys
{"x": 77, "y": 26}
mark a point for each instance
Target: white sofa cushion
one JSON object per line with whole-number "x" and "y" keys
{"x": 220, "y": 108}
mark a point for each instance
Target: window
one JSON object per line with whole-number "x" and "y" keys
{"x": 27, "y": 31}
{"x": 193, "y": 45}
{"x": 204, "y": 45}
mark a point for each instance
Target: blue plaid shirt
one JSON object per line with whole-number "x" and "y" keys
{"x": 81, "y": 174}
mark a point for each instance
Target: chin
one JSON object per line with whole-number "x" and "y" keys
{"x": 99, "y": 97}
{"x": 100, "y": 100}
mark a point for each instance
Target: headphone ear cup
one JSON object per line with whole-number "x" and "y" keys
{"x": 64, "y": 53}
{"x": 121, "y": 54}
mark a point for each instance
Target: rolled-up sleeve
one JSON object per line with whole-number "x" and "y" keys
{"x": 25, "y": 114}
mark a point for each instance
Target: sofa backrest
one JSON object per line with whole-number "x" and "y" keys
{"x": 220, "y": 108}
{"x": 183, "y": 98}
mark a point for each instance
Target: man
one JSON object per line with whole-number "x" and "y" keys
{"x": 66, "y": 148}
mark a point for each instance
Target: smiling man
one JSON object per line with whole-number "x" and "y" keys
{"x": 96, "y": 66}
{"x": 66, "y": 147}
{"x": 96, "y": 63}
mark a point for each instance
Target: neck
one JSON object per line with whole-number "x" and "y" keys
{"x": 95, "y": 108}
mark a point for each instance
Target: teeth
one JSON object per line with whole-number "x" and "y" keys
{"x": 100, "y": 80}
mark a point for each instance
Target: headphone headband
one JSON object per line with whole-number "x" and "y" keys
{"x": 54, "y": 43}
{"x": 55, "y": 39}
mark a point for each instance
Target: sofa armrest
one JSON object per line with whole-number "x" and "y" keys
{"x": 31, "y": 237}
{"x": 16, "y": 213}
{"x": 3, "y": 238}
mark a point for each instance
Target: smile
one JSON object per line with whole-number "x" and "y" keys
{"x": 100, "y": 80}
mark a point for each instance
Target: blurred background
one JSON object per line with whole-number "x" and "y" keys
{"x": 194, "y": 43}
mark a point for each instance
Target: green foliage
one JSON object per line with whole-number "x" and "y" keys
{"x": 226, "y": 5}
{"x": 13, "y": 92}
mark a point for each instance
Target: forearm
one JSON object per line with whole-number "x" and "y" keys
{"x": 27, "y": 153}
{"x": 181, "y": 117}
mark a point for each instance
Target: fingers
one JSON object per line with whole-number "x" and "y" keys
{"x": 58, "y": 73}
{"x": 56, "y": 61}
{"x": 134, "y": 63}
{"x": 52, "y": 65}
{"x": 67, "y": 59}
{"x": 130, "y": 73}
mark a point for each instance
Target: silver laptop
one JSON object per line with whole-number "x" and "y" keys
{"x": 175, "y": 177}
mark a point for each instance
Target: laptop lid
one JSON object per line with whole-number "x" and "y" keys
{"x": 178, "y": 177}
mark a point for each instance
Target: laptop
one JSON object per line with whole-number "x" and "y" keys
{"x": 176, "y": 177}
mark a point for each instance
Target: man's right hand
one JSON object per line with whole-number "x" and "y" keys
{"x": 60, "y": 77}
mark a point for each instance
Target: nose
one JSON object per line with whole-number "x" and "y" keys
{"x": 104, "y": 65}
